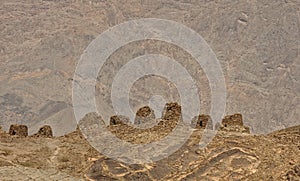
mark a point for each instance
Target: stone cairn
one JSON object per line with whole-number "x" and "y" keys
{"x": 172, "y": 111}
{"x": 202, "y": 121}
{"x": 18, "y": 130}
{"x": 233, "y": 120}
{"x": 145, "y": 117}
{"x": 119, "y": 120}
{"x": 22, "y": 131}
{"x": 234, "y": 123}
{"x": 44, "y": 131}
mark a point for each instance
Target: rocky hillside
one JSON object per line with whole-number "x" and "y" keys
{"x": 234, "y": 154}
{"x": 256, "y": 42}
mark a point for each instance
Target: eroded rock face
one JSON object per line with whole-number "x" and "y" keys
{"x": 19, "y": 130}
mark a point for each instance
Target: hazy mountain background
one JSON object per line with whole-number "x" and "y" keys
{"x": 257, "y": 43}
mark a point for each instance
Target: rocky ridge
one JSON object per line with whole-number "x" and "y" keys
{"x": 234, "y": 154}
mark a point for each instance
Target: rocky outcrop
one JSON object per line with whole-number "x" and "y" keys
{"x": 231, "y": 156}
